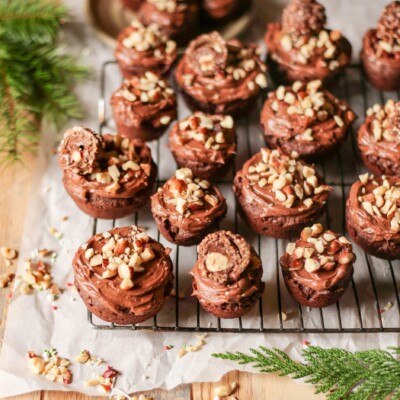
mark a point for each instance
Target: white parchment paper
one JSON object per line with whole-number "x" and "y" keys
{"x": 32, "y": 324}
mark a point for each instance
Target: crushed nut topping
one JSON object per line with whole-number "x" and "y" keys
{"x": 121, "y": 256}
{"x": 383, "y": 202}
{"x": 319, "y": 250}
{"x": 51, "y": 366}
{"x": 207, "y": 129}
{"x": 311, "y": 101}
{"x": 146, "y": 89}
{"x": 169, "y": 6}
{"x": 385, "y": 124}
{"x": 187, "y": 193}
{"x": 120, "y": 164}
{"x": 145, "y": 38}
{"x": 293, "y": 183}
{"x": 388, "y": 30}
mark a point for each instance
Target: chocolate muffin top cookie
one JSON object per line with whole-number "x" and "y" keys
{"x": 123, "y": 269}
{"x": 373, "y": 208}
{"x": 188, "y": 202}
{"x": 379, "y": 139}
{"x": 320, "y": 260}
{"x": 204, "y": 138}
{"x": 302, "y": 44}
{"x": 305, "y": 118}
{"x": 122, "y": 167}
{"x": 143, "y": 48}
{"x": 216, "y": 71}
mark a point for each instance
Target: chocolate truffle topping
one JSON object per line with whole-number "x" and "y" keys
{"x": 220, "y": 76}
{"x": 373, "y": 215}
{"x": 204, "y": 143}
{"x": 186, "y": 208}
{"x": 227, "y": 275}
{"x": 300, "y": 48}
{"x": 278, "y": 194}
{"x": 303, "y": 17}
{"x": 305, "y": 118}
{"x": 123, "y": 275}
{"x": 80, "y": 150}
{"x": 144, "y": 106}
{"x": 379, "y": 139}
{"x": 317, "y": 265}
{"x": 143, "y": 48}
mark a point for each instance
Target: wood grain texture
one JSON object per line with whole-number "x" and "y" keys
{"x": 15, "y": 184}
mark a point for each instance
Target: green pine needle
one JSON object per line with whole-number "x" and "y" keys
{"x": 36, "y": 79}
{"x": 362, "y": 375}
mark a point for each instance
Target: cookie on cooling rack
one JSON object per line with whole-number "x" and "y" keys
{"x": 220, "y": 77}
{"x": 318, "y": 267}
{"x": 373, "y": 215}
{"x": 204, "y": 143}
{"x": 227, "y": 275}
{"x": 379, "y": 139}
{"x": 300, "y": 48}
{"x": 380, "y": 53}
{"x": 143, "y": 107}
{"x": 177, "y": 19}
{"x": 279, "y": 195}
{"x": 306, "y": 119}
{"x": 123, "y": 276}
{"x": 187, "y": 208}
{"x": 107, "y": 176}
{"x": 143, "y": 48}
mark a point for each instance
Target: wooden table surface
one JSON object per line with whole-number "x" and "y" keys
{"x": 15, "y": 182}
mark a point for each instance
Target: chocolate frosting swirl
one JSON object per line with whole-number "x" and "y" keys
{"x": 200, "y": 211}
{"x": 148, "y": 292}
{"x": 364, "y": 208}
{"x": 80, "y": 150}
{"x": 120, "y": 153}
{"x": 295, "y": 196}
{"x": 190, "y": 138}
{"x": 379, "y": 136}
{"x": 144, "y": 48}
{"x": 305, "y": 118}
{"x": 228, "y": 270}
{"x": 216, "y": 71}
{"x": 319, "y": 260}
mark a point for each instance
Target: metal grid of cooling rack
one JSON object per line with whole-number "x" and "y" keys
{"x": 373, "y": 292}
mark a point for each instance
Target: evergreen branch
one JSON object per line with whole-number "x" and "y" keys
{"x": 362, "y": 375}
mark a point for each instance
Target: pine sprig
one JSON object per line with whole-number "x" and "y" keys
{"x": 362, "y": 375}
{"x": 36, "y": 78}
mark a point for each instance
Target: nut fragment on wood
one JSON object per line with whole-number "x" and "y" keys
{"x": 225, "y": 390}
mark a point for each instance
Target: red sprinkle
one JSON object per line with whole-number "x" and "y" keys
{"x": 306, "y": 343}
{"x": 54, "y": 308}
{"x": 9, "y": 295}
{"x": 69, "y": 284}
{"x": 381, "y": 311}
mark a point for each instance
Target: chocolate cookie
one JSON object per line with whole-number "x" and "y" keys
{"x": 177, "y": 19}
{"x": 220, "y": 77}
{"x": 221, "y": 11}
{"x": 380, "y": 54}
{"x": 143, "y": 107}
{"x": 379, "y": 139}
{"x": 227, "y": 275}
{"x": 306, "y": 119}
{"x": 108, "y": 176}
{"x": 373, "y": 215}
{"x": 143, "y": 48}
{"x": 279, "y": 195}
{"x": 187, "y": 208}
{"x": 318, "y": 268}
{"x": 301, "y": 49}
{"x": 204, "y": 143}
{"x": 123, "y": 276}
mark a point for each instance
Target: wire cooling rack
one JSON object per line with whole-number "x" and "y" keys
{"x": 371, "y": 302}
